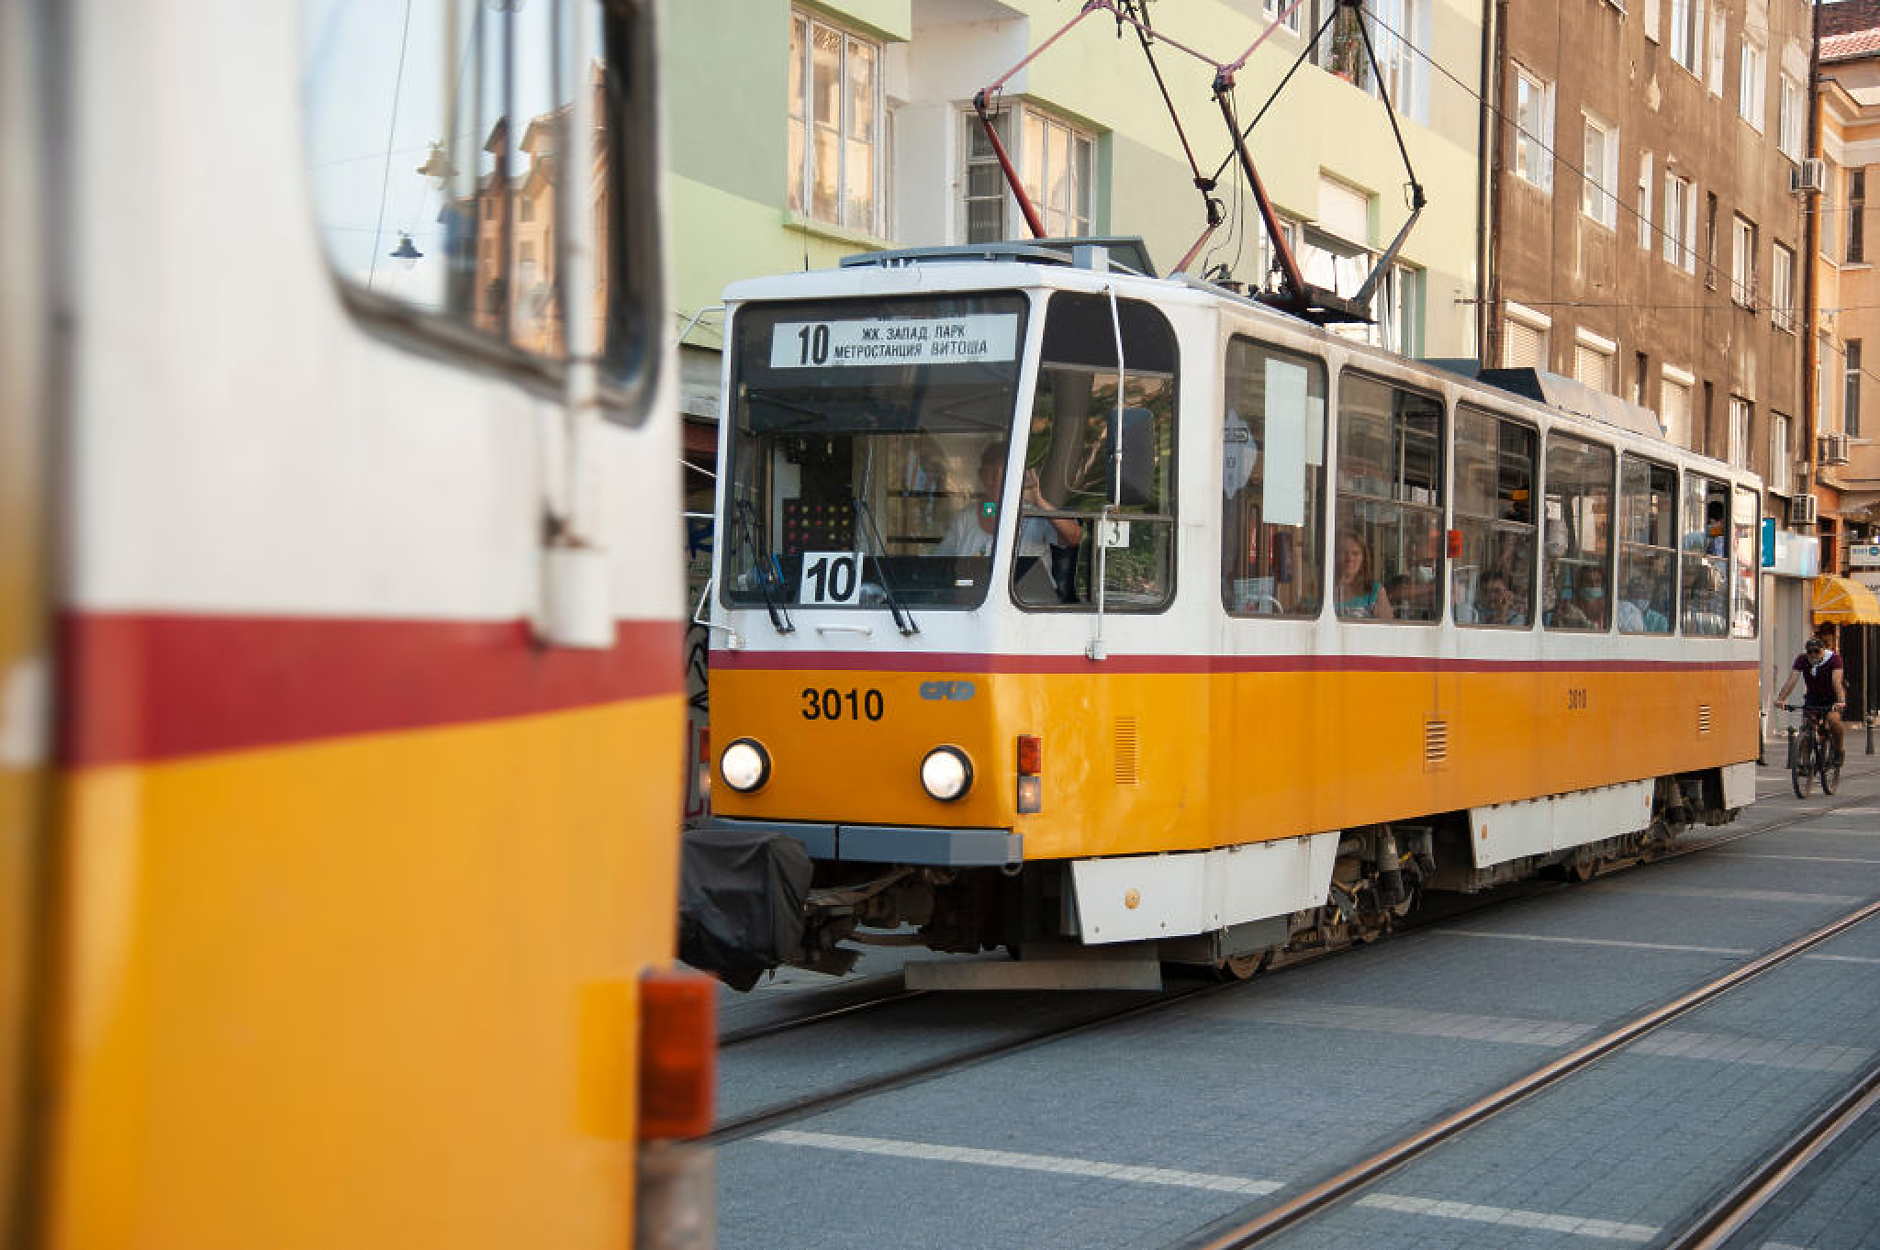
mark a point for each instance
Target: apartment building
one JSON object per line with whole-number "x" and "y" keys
{"x": 803, "y": 132}
{"x": 1647, "y": 230}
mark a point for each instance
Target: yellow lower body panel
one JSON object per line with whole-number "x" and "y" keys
{"x": 379, "y": 991}
{"x": 1148, "y": 762}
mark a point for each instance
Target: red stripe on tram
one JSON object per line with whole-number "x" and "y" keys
{"x": 144, "y": 687}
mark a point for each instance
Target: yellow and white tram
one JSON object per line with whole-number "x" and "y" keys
{"x": 1061, "y": 606}
{"x": 340, "y": 633}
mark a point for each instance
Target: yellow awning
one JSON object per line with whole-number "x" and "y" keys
{"x": 1845, "y": 602}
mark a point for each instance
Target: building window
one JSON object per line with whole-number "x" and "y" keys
{"x": 1781, "y": 477}
{"x": 1534, "y": 129}
{"x": 1710, "y": 240}
{"x": 1524, "y": 338}
{"x": 1739, "y": 432}
{"x": 1716, "y": 50}
{"x": 1750, "y": 85}
{"x": 835, "y": 126}
{"x": 1400, "y": 35}
{"x": 1645, "y": 200}
{"x": 1592, "y": 360}
{"x": 1273, "y": 8}
{"x": 1824, "y": 210}
{"x": 1057, "y": 165}
{"x": 1782, "y": 288}
{"x": 1850, "y": 390}
{"x": 1684, "y": 33}
{"x": 1680, "y": 225}
{"x": 1856, "y": 210}
{"x": 1599, "y": 185}
{"x": 1743, "y": 261}
{"x": 1674, "y": 404}
{"x": 1791, "y": 115}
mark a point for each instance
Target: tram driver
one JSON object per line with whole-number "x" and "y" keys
{"x": 971, "y": 530}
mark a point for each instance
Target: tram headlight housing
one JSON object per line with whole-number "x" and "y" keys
{"x": 946, "y": 773}
{"x": 745, "y": 765}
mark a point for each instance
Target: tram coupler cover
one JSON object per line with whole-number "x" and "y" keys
{"x": 741, "y": 895}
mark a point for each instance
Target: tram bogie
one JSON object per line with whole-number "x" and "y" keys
{"x": 1167, "y": 623}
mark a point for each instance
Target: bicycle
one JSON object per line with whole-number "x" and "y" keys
{"x": 1811, "y": 751}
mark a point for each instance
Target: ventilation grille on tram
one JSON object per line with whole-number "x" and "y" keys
{"x": 1125, "y": 750}
{"x": 1703, "y": 718}
{"x": 1435, "y": 742}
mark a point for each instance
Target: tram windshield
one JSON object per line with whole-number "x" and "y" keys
{"x": 868, "y": 449}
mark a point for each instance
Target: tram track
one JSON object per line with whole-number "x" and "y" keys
{"x": 1350, "y": 1181}
{"x": 799, "y": 1108}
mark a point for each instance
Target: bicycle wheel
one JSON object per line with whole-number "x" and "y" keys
{"x": 1830, "y": 768}
{"x": 1802, "y": 771}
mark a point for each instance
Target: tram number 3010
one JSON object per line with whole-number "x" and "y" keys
{"x": 833, "y": 704}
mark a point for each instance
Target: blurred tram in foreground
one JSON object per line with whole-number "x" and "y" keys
{"x": 1067, "y": 609}
{"x": 340, "y": 612}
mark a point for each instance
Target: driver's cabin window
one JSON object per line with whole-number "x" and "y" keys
{"x": 1087, "y": 516}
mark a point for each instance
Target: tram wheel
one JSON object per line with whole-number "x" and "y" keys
{"x": 1244, "y": 967}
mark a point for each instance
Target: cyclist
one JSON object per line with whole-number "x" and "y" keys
{"x": 1819, "y": 668}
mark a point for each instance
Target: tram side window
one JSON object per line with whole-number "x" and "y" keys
{"x": 1648, "y": 496}
{"x": 1576, "y": 536}
{"x": 1746, "y": 567}
{"x": 1068, "y": 455}
{"x": 1388, "y": 551}
{"x": 434, "y": 152}
{"x": 1493, "y": 580}
{"x": 1704, "y": 574}
{"x": 1273, "y": 458}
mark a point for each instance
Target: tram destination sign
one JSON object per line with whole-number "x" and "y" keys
{"x": 975, "y": 338}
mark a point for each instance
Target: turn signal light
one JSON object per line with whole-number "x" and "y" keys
{"x": 1030, "y": 755}
{"x": 1455, "y": 544}
{"x": 678, "y": 1045}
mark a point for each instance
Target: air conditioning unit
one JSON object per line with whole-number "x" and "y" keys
{"x": 1807, "y": 179}
{"x": 1833, "y": 449}
{"x": 1802, "y": 510}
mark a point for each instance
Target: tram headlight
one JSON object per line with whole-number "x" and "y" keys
{"x": 946, "y": 773}
{"x": 745, "y": 765}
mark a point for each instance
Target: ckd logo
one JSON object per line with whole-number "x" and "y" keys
{"x": 947, "y": 691}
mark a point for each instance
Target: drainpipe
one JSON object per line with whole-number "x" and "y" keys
{"x": 1493, "y": 140}
{"x": 1811, "y": 292}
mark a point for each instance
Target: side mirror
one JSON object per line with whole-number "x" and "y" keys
{"x": 1139, "y": 457}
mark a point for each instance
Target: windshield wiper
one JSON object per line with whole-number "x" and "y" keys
{"x": 760, "y": 551}
{"x": 903, "y": 619}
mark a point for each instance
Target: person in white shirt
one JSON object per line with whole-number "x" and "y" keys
{"x": 971, "y": 531}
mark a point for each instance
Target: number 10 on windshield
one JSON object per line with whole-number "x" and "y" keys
{"x": 831, "y": 576}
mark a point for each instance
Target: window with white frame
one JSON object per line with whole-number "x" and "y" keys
{"x": 1743, "y": 261}
{"x": 1524, "y": 338}
{"x": 1674, "y": 404}
{"x": 1850, "y": 389}
{"x": 1599, "y": 170}
{"x": 1680, "y": 223}
{"x": 1781, "y": 459}
{"x": 1058, "y": 171}
{"x": 1739, "y": 431}
{"x": 1651, "y": 20}
{"x": 1716, "y": 50}
{"x": 1399, "y": 31}
{"x": 1534, "y": 129}
{"x": 836, "y": 158}
{"x": 1273, "y": 8}
{"x": 1592, "y": 360}
{"x": 1056, "y": 163}
{"x": 1782, "y": 288}
{"x": 1683, "y": 33}
{"x": 1750, "y": 84}
{"x": 1645, "y": 200}
{"x": 1791, "y": 115}
{"x": 1824, "y": 210}
{"x": 1856, "y": 217}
